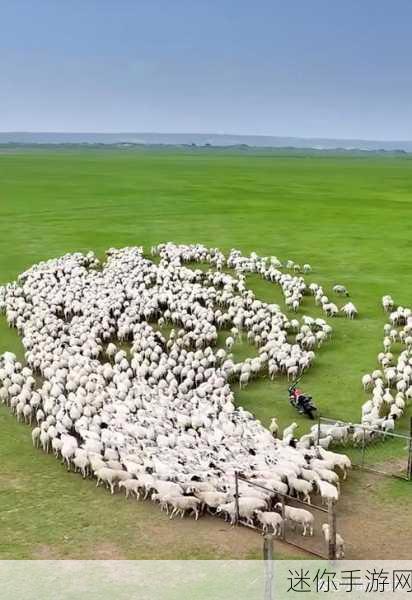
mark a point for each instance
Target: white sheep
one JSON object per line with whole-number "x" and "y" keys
{"x": 274, "y": 427}
{"x": 131, "y": 486}
{"x": 298, "y": 516}
{"x": 327, "y": 491}
{"x": 183, "y": 504}
{"x": 340, "y": 289}
{"x": 339, "y": 543}
{"x": 270, "y": 520}
{"x": 301, "y": 487}
{"x": 289, "y": 431}
{"x": 350, "y": 310}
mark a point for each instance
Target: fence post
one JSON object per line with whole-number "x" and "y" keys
{"x": 268, "y": 564}
{"x": 363, "y": 447}
{"x": 236, "y": 497}
{"x": 317, "y": 442}
{"x": 409, "y": 469}
{"x": 283, "y": 519}
{"x": 332, "y": 530}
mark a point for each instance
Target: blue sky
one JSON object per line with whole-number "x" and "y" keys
{"x": 311, "y": 68}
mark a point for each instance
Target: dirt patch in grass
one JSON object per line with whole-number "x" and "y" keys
{"x": 107, "y": 551}
{"x": 372, "y": 528}
{"x": 45, "y": 552}
{"x": 12, "y": 483}
{"x": 395, "y": 466}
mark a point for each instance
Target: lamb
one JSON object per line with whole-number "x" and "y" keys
{"x": 270, "y": 520}
{"x": 340, "y": 544}
{"x": 298, "y": 516}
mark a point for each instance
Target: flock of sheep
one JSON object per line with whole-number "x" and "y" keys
{"x": 391, "y": 385}
{"x": 159, "y": 421}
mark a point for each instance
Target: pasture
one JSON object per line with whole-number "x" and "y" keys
{"x": 347, "y": 216}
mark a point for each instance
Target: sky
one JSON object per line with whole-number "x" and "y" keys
{"x": 308, "y": 68}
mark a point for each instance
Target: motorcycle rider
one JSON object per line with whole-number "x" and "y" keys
{"x": 301, "y": 402}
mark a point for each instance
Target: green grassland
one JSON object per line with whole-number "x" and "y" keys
{"x": 349, "y": 217}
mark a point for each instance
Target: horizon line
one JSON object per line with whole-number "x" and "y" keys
{"x": 260, "y": 135}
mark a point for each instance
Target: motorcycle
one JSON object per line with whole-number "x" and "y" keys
{"x": 302, "y": 402}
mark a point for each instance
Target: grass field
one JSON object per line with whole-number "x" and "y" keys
{"x": 349, "y": 217}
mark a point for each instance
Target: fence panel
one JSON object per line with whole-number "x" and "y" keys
{"x": 314, "y": 544}
{"x": 386, "y": 453}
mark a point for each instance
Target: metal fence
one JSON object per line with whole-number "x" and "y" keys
{"x": 315, "y": 544}
{"x": 387, "y": 453}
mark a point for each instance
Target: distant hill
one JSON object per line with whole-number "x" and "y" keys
{"x": 202, "y": 139}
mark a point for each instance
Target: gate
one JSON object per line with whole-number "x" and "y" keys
{"x": 386, "y": 453}
{"x": 315, "y": 544}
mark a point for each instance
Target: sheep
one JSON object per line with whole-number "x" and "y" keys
{"x": 167, "y": 487}
{"x": 81, "y": 462}
{"x": 110, "y": 477}
{"x": 298, "y": 516}
{"x": 301, "y": 487}
{"x": 35, "y": 436}
{"x": 328, "y": 476}
{"x": 211, "y": 499}
{"x": 349, "y": 310}
{"x": 289, "y": 430}
{"x": 339, "y": 433}
{"x": 340, "y": 290}
{"x": 330, "y": 309}
{"x": 131, "y": 486}
{"x": 327, "y": 491}
{"x": 325, "y": 442}
{"x": 57, "y": 445}
{"x": 68, "y": 449}
{"x": 247, "y": 507}
{"x": 244, "y": 379}
{"x": 367, "y": 382}
{"x": 274, "y": 427}
{"x": 182, "y": 504}
{"x": 341, "y": 461}
{"x": 270, "y": 520}
{"x": 387, "y": 303}
{"x": 339, "y": 543}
